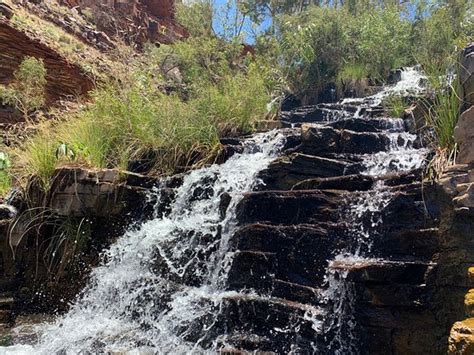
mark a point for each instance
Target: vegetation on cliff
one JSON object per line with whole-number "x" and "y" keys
{"x": 175, "y": 102}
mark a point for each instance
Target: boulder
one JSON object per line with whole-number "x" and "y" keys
{"x": 461, "y": 338}
{"x": 466, "y": 76}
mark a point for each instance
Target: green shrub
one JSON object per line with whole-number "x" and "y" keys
{"x": 395, "y": 106}
{"x": 236, "y": 103}
{"x": 443, "y": 116}
{"x": 27, "y": 91}
{"x": 5, "y": 178}
{"x": 197, "y": 17}
{"x": 322, "y": 45}
{"x": 38, "y": 155}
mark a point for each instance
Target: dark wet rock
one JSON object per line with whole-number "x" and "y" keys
{"x": 303, "y": 114}
{"x": 289, "y": 102}
{"x": 287, "y": 171}
{"x": 366, "y": 125}
{"x": 252, "y": 269}
{"x": 301, "y": 251}
{"x": 386, "y": 272}
{"x": 7, "y": 211}
{"x": 225, "y": 200}
{"x": 277, "y": 325}
{"x": 348, "y": 183}
{"x": 357, "y": 182}
{"x": 421, "y": 244}
{"x": 321, "y": 140}
{"x": 295, "y": 292}
{"x": 289, "y": 207}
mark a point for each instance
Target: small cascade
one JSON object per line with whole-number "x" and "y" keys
{"x": 364, "y": 215}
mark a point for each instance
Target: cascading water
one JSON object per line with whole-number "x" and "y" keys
{"x": 364, "y": 215}
{"x": 129, "y": 304}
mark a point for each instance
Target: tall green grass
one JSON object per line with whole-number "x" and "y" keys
{"x": 395, "y": 106}
{"x": 443, "y": 116}
{"x": 131, "y": 119}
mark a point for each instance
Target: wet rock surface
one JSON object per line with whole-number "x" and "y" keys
{"x": 297, "y": 223}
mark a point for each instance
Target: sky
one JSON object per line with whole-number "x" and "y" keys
{"x": 222, "y": 11}
{"x": 225, "y": 13}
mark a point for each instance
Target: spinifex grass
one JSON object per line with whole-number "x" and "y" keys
{"x": 443, "y": 116}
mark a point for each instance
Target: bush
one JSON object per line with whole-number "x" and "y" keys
{"x": 38, "y": 155}
{"x": 27, "y": 91}
{"x": 395, "y": 106}
{"x": 323, "y": 45}
{"x": 443, "y": 116}
{"x": 5, "y": 179}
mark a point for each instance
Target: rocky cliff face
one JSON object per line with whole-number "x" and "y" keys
{"x": 137, "y": 21}
{"x": 63, "y": 78}
{"x": 458, "y": 184}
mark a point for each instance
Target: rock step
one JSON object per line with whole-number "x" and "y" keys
{"x": 318, "y": 140}
{"x": 289, "y": 207}
{"x": 296, "y": 254}
{"x": 358, "y": 182}
{"x": 299, "y": 253}
{"x": 385, "y": 272}
{"x": 275, "y": 324}
{"x": 287, "y": 171}
{"x": 380, "y": 125}
{"x": 329, "y": 112}
{"x": 406, "y": 209}
{"x": 6, "y": 301}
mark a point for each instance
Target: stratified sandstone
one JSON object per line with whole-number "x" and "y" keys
{"x": 139, "y": 21}
{"x": 63, "y": 78}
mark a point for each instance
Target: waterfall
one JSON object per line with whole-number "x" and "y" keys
{"x": 160, "y": 285}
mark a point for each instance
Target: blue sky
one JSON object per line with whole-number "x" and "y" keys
{"x": 221, "y": 8}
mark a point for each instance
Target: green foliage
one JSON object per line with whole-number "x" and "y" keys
{"x": 353, "y": 71}
{"x": 5, "y": 182}
{"x": 443, "y": 115}
{"x": 27, "y": 91}
{"x": 236, "y": 102}
{"x": 395, "y": 106}
{"x": 197, "y": 17}
{"x": 6, "y": 340}
{"x": 5, "y": 179}
{"x": 321, "y": 45}
{"x": 382, "y": 39}
{"x": 69, "y": 238}
{"x": 38, "y": 156}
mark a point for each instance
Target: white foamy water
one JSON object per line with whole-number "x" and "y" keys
{"x": 161, "y": 285}
{"x": 411, "y": 83}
